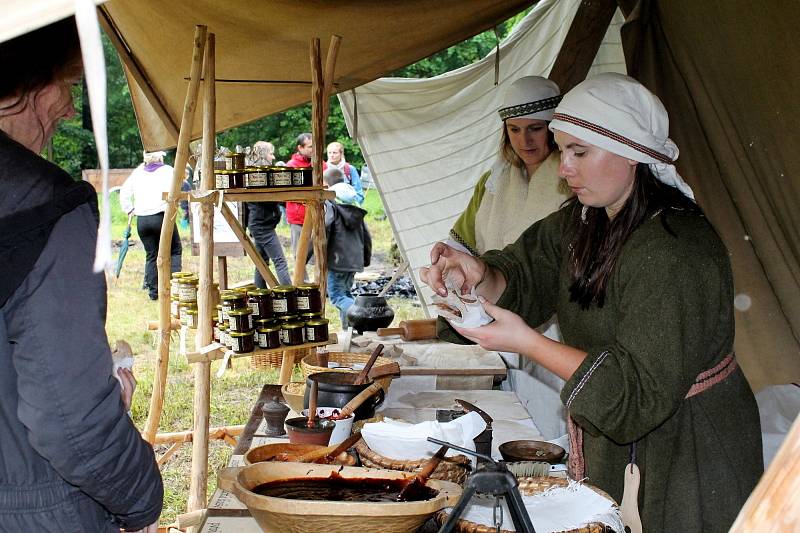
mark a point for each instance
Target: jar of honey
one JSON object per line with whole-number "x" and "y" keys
{"x": 269, "y": 336}
{"x": 187, "y": 288}
{"x": 280, "y": 177}
{"x": 231, "y": 300}
{"x": 257, "y": 177}
{"x": 308, "y": 298}
{"x": 240, "y": 319}
{"x": 188, "y": 311}
{"x": 260, "y": 302}
{"x": 234, "y": 161}
{"x": 316, "y": 330}
{"x": 242, "y": 341}
{"x": 284, "y": 302}
{"x": 292, "y": 333}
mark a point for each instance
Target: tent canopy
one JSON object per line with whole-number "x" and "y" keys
{"x": 262, "y": 50}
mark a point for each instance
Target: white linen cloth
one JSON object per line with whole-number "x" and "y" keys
{"x": 556, "y": 509}
{"x": 401, "y": 440}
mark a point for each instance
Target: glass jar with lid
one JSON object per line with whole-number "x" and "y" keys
{"x": 292, "y": 333}
{"x": 316, "y": 330}
{"x": 280, "y": 177}
{"x": 308, "y": 298}
{"x": 269, "y": 335}
{"x": 242, "y": 341}
{"x": 240, "y": 319}
{"x": 284, "y": 302}
{"x": 257, "y": 177}
{"x": 260, "y": 302}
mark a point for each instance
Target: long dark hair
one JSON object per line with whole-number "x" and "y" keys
{"x": 595, "y": 242}
{"x": 36, "y": 59}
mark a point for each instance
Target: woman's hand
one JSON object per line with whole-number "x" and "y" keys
{"x": 128, "y": 386}
{"x": 461, "y": 269}
{"x": 508, "y": 332}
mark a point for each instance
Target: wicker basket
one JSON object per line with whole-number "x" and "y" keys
{"x": 266, "y": 360}
{"x": 309, "y": 365}
{"x": 453, "y": 468}
{"x": 527, "y": 486}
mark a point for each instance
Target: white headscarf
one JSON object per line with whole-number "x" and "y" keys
{"x": 530, "y": 97}
{"x": 618, "y": 114}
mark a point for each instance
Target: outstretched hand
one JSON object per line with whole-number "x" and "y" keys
{"x": 508, "y": 332}
{"x": 461, "y": 270}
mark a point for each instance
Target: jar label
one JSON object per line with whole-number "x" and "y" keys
{"x": 303, "y": 303}
{"x": 262, "y": 340}
{"x": 174, "y": 308}
{"x": 187, "y": 293}
{"x": 254, "y": 307}
{"x": 282, "y": 179}
{"x": 280, "y": 305}
{"x": 223, "y": 181}
{"x": 256, "y": 179}
{"x": 285, "y": 336}
{"x": 236, "y": 343}
{"x": 297, "y": 178}
{"x": 310, "y": 334}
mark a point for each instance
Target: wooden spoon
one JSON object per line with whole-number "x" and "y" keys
{"x": 419, "y": 480}
{"x": 312, "y": 405}
{"x": 362, "y": 376}
{"x": 356, "y": 402}
{"x": 329, "y": 453}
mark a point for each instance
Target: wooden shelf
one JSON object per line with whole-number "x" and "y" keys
{"x": 282, "y": 194}
{"x": 217, "y": 354}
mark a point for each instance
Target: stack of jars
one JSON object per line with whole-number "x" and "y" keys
{"x": 236, "y": 175}
{"x": 183, "y": 298}
{"x": 268, "y": 319}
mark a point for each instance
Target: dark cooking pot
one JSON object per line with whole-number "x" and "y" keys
{"x": 335, "y": 389}
{"x": 369, "y": 312}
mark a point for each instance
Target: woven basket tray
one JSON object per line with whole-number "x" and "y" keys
{"x": 453, "y": 468}
{"x": 527, "y": 486}
{"x": 309, "y": 365}
{"x": 266, "y": 360}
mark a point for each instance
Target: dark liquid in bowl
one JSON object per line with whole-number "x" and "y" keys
{"x": 338, "y": 489}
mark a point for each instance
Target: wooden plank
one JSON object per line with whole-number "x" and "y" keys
{"x": 248, "y": 246}
{"x": 283, "y": 194}
{"x": 186, "y": 436}
{"x": 582, "y": 42}
{"x": 163, "y": 260}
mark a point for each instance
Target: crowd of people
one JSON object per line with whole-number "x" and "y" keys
{"x": 624, "y": 258}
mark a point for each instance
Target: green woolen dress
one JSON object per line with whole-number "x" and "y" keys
{"x": 667, "y": 317}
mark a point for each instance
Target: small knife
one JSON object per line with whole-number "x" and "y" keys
{"x": 472, "y": 408}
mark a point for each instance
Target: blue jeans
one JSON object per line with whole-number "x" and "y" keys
{"x": 339, "y": 285}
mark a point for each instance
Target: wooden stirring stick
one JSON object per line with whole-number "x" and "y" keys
{"x": 362, "y": 376}
{"x": 356, "y": 402}
{"x": 312, "y": 405}
{"x": 328, "y": 453}
{"x": 420, "y": 479}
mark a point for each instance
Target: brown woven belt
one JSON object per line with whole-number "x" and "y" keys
{"x": 576, "y": 466}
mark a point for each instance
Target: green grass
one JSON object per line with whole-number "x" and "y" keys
{"x": 233, "y": 395}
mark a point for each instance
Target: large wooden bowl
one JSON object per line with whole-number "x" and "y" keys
{"x": 281, "y": 515}
{"x": 267, "y": 453}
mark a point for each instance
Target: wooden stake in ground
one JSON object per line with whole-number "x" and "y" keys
{"x": 163, "y": 260}
{"x": 205, "y": 303}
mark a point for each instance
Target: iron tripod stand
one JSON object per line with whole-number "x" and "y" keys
{"x": 491, "y": 478}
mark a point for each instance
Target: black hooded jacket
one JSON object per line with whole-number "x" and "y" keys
{"x": 349, "y": 241}
{"x": 70, "y": 457}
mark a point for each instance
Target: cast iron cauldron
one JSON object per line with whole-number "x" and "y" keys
{"x": 369, "y": 312}
{"x": 335, "y": 389}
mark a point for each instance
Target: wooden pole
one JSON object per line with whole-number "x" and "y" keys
{"x": 774, "y": 505}
{"x": 302, "y": 244}
{"x": 188, "y": 436}
{"x": 205, "y": 302}
{"x": 248, "y": 245}
{"x": 163, "y": 260}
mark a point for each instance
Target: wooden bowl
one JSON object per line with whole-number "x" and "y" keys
{"x": 293, "y": 394}
{"x": 532, "y": 450}
{"x": 282, "y": 515}
{"x": 267, "y": 453}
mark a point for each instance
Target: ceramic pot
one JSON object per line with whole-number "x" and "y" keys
{"x": 369, "y": 312}
{"x": 335, "y": 389}
{"x": 344, "y": 426}
{"x": 299, "y": 432}
{"x": 274, "y": 413}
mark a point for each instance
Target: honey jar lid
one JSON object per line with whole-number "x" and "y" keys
{"x": 292, "y": 325}
{"x": 241, "y": 333}
{"x": 308, "y": 286}
{"x": 283, "y": 289}
{"x": 176, "y": 275}
{"x": 317, "y": 322}
{"x": 268, "y": 328}
{"x": 259, "y": 292}
{"x": 242, "y": 311}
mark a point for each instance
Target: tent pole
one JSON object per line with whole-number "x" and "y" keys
{"x": 205, "y": 299}
{"x": 163, "y": 261}
{"x": 582, "y": 42}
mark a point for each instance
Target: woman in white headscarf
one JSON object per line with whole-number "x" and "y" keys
{"x": 522, "y": 186}
{"x": 643, "y": 289}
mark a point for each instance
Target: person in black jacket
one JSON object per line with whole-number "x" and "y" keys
{"x": 70, "y": 458}
{"x": 349, "y": 244}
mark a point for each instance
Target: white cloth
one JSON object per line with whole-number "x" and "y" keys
{"x": 556, "y": 509}
{"x": 345, "y": 193}
{"x": 622, "y": 106}
{"x": 143, "y": 191}
{"x": 401, "y": 440}
{"x": 512, "y": 202}
{"x": 427, "y": 141}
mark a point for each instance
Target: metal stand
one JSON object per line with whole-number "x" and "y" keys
{"x": 491, "y": 478}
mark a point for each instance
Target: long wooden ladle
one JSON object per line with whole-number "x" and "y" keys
{"x": 419, "y": 480}
{"x": 312, "y": 405}
{"x": 328, "y": 453}
{"x": 362, "y": 376}
{"x": 351, "y": 406}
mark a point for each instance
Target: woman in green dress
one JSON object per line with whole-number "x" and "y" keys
{"x": 643, "y": 289}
